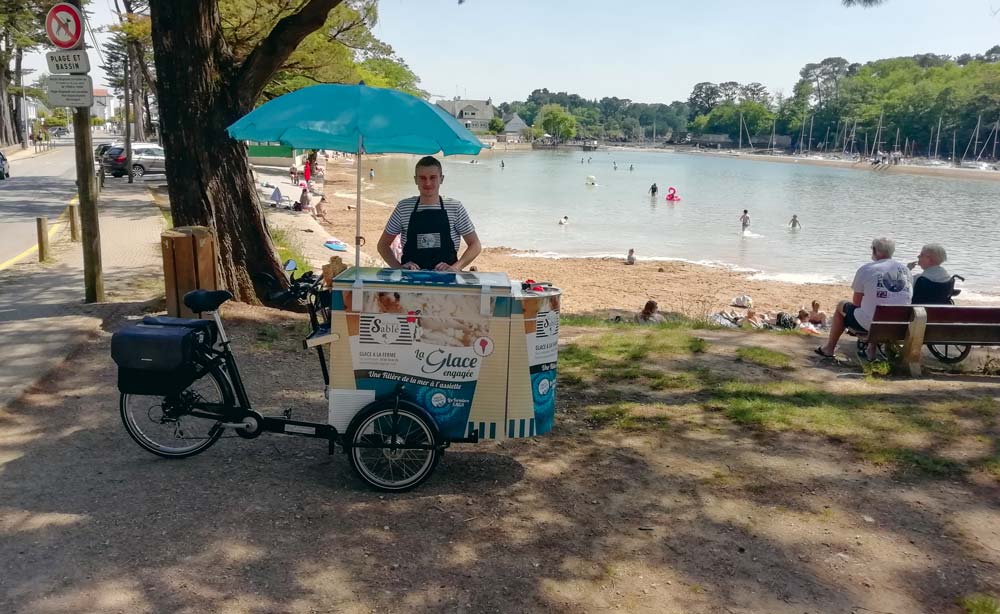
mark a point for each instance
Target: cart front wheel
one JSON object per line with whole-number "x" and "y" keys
{"x": 393, "y": 451}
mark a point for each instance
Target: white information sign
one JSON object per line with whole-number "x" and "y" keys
{"x": 68, "y": 62}
{"x": 71, "y": 91}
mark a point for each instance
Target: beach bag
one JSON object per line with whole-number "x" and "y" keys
{"x": 743, "y": 300}
{"x": 156, "y": 360}
{"x": 785, "y": 320}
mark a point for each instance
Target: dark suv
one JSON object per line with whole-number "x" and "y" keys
{"x": 146, "y": 159}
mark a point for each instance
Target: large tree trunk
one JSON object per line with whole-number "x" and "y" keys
{"x": 202, "y": 89}
{"x": 139, "y": 131}
{"x": 21, "y": 137}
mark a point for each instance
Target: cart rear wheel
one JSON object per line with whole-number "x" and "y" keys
{"x": 372, "y": 433}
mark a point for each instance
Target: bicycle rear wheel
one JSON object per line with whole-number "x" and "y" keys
{"x": 165, "y": 426}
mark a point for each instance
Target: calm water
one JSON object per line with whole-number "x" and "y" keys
{"x": 841, "y": 210}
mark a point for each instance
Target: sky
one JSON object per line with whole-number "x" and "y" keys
{"x": 646, "y": 50}
{"x": 656, "y": 50}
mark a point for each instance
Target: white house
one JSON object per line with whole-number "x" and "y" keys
{"x": 473, "y": 114}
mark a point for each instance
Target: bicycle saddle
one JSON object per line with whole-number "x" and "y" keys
{"x": 206, "y": 300}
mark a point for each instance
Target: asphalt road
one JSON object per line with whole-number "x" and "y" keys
{"x": 38, "y": 187}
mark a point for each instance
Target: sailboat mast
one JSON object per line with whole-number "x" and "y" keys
{"x": 938, "y": 141}
{"x": 996, "y": 130}
{"x": 896, "y": 146}
{"x": 810, "y": 145}
{"x": 741, "y": 130}
{"x": 826, "y": 139}
{"x": 954, "y": 146}
{"x": 774, "y": 122}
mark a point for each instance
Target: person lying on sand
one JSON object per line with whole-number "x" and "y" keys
{"x": 650, "y": 314}
{"x": 816, "y": 316}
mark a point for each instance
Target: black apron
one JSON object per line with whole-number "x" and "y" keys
{"x": 428, "y": 238}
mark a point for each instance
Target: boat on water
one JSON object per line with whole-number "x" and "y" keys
{"x": 591, "y": 145}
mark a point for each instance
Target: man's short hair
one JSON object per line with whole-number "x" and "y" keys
{"x": 935, "y": 252}
{"x": 428, "y": 161}
{"x": 884, "y": 246}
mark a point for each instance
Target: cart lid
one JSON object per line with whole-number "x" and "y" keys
{"x": 402, "y": 277}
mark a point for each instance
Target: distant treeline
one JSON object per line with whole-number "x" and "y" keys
{"x": 838, "y": 100}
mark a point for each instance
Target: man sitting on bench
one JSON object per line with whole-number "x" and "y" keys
{"x": 883, "y": 281}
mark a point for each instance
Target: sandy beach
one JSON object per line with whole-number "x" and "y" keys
{"x": 590, "y": 285}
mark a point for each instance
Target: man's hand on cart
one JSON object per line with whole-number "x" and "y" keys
{"x": 410, "y": 266}
{"x": 442, "y": 267}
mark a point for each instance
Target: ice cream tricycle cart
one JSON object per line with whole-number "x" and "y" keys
{"x": 412, "y": 361}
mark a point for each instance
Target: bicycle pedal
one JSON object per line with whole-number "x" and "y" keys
{"x": 287, "y": 413}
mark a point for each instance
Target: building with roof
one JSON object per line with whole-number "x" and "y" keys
{"x": 103, "y": 104}
{"x": 473, "y": 114}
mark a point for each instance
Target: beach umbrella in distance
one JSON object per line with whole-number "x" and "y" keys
{"x": 356, "y": 119}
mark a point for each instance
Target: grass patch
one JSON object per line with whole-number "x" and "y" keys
{"x": 764, "y": 357}
{"x": 697, "y": 345}
{"x": 980, "y": 604}
{"x": 671, "y": 321}
{"x": 623, "y": 416}
{"x": 288, "y": 247}
{"x": 877, "y": 369}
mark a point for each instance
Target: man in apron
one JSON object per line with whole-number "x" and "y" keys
{"x": 429, "y": 226}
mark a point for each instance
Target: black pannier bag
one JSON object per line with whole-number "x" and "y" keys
{"x": 155, "y": 360}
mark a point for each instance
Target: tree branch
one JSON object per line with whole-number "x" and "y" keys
{"x": 268, "y": 56}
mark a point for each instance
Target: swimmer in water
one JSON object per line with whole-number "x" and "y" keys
{"x": 564, "y": 220}
{"x": 745, "y": 220}
{"x": 653, "y": 190}
{"x": 794, "y": 223}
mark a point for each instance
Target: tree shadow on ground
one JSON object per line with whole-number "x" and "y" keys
{"x": 699, "y": 516}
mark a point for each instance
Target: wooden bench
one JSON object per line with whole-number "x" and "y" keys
{"x": 937, "y": 325}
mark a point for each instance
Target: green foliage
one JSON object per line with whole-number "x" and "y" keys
{"x": 725, "y": 119}
{"x": 980, "y": 604}
{"x": 496, "y": 125}
{"x": 344, "y": 50}
{"x": 555, "y": 120}
{"x": 603, "y": 118}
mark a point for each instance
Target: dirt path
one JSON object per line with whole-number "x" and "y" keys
{"x": 696, "y": 515}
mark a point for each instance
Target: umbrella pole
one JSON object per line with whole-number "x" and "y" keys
{"x": 357, "y": 210}
{"x": 356, "y": 294}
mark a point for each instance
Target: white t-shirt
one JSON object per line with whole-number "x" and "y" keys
{"x": 883, "y": 282}
{"x": 458, "y": 218}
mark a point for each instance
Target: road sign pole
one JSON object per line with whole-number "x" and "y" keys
{"x": 93, "y": 274}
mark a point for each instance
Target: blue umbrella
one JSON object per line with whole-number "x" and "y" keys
{"x": 356, "y": 119}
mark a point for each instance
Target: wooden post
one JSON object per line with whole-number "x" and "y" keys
{"x": 74, "y": 224}
{"x": 189, "y": 263}
{"x": 93, "y": 274}
{"x": 42, "y": 226}
{"x": 914, "y": 342}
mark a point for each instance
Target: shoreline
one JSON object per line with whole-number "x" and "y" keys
{"x": 601, "y": 285}
{"x": 905, "y": 169}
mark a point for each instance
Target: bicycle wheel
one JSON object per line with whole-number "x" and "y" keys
{"x": 165, "y": 426}
{"x": 949, "y": 353}
{"x": 384, "y": 468}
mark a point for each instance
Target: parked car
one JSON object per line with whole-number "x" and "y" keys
{"x": 147, "y": 159}
{"x": 59, "y": 132}
{"x": 4, "y": 166}
{"x": 101, "y": 149}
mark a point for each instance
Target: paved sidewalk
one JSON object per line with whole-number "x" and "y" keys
{"x": 42, "y": 314}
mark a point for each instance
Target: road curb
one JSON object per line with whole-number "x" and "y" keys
{"x": 56, "y": 226}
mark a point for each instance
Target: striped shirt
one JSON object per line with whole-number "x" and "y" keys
{"x": 458, "y": 218}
